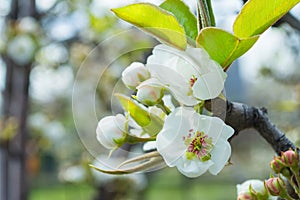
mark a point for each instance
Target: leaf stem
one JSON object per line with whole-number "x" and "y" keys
{"x": 296, "y": 174}
{"x": 296, "y": 189}
{"x": 211, "y": 13}
{"x": 205, "y": 14}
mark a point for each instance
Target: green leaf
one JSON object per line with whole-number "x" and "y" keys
{"x": 222, "y": 46}
{"x": 258, "y": 15}
{"x": 150, "y": 123}
{"x": 156, "y": 21}
{"x": 184, "y": 16}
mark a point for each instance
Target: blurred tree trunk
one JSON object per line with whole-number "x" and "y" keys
{"x": 13, "y": 185}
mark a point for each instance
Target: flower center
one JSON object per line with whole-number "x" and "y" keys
{"x": 199, "y": 145}
{"x": 193, "y": 79}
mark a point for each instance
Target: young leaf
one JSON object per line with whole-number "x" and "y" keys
{"x": 150, "y": 123}
{"x": 222, "y": 46}
{"x": 184, "y": 16}
{"x": 258, "y": 15}
{"x": 156, "y": 21}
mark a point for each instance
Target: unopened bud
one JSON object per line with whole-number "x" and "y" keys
{"x": 150, "y": 92}
{"x": 275, "y": 186}
{"x": 276, "y": 165}
{"x": 245, "y": 196}
{"x": 290, "y": 158}
{"x": 111, "y": 131}
{"x": 135, "y": 74}
{"x": 149, "y": 95}
{"x": 252, "y": 189}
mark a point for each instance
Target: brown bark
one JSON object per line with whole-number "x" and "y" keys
{"x": 13, "y": 184}
{"x": 241, "y": 116}
{"x": 15, "y": 106}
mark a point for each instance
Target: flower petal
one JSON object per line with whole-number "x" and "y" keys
{"x": 162, "y": 54}
{"x": 174, "y": 82}
{"x": 220, "y": 155}
{"x": 169, "y": 141}
{"x": 214, "y": 127}
{"x": 192, "y": 168}
{"x": 208, "y": 86}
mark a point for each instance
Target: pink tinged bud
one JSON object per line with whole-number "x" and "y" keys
{"x": 149, "y": 95}
{"x": 290, "y": 158}
{"x": 275, "y": 186}
{"x": 245, "y": 196}
{"x": 135, "y": 74}
{"x": 277, "y": 165}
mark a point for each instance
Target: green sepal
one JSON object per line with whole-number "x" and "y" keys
{"x": 149, "y": 122}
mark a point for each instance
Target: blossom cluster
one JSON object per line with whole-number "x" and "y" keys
{"x": 183, "y": 136}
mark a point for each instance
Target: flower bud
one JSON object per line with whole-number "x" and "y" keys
{"x": 290, "y": 158}
{"x": 245, "y": 196}
{"x": 252, "y": 187}
{"x": 149, "y": 92}
{"x": 286, "y": 172}
{"x": 276, "y": 165}
{"x": 135, "y": 74}
{"x": 275, "y": 186}
{"x": 111, "y": 131}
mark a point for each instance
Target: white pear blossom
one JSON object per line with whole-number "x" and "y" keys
{"x": 21, "y": 49}
{"x": 243, "y": 190}
{"x": 190, "y": 75}
{"x": 134, "y": 74}
{"x": 168, "y": 102}
{"x": 194, "y": 143}
{"x": 111, "y": 130}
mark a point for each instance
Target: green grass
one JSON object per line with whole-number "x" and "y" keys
{"x": 188, "y": 191}
{"x": 168, "y": 184}
{"x": 199, "y": 192}
{"x": 62, "y": 192}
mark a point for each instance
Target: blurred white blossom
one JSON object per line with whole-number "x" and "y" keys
{"x": 21, "y": 49}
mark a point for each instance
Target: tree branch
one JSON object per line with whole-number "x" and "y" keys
{"x": 241, "y": 116}
{"x": 290, "y": 19}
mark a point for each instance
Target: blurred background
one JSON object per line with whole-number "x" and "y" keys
{"x": 60, "y": 64}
